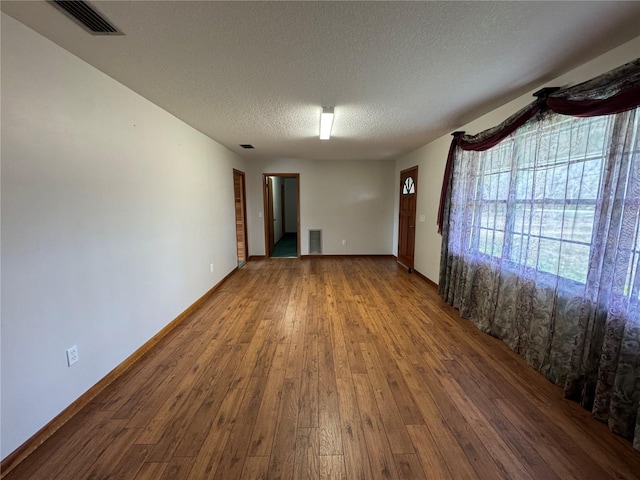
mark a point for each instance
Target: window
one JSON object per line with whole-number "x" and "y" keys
{"x": 409, "y": 186}
{"x": 536, "y": 199}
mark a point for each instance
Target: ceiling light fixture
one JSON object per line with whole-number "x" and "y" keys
{"x": 326, "y": 122}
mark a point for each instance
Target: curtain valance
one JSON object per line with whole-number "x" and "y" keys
{"x": 613, "y": 92}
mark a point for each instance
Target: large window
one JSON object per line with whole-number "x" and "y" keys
{"x": 536, "y": 198}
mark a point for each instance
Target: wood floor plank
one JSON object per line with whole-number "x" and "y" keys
{"x": 286, "y": 325}
{"x": 409, "y": 467}
{"x": 247, "y": 322}
{"x": 340, "y": 355}
{"x": 332, "y": 467}
{"x": 150, "y": 471}
{"x": 390, "y": 415}
{"x": 130, "y": 463}
{"x": 507, "y": 446}
{"x": 184, "y": 435}
{"x": 329, "y": 434}
{"x": 124, "y": 387}
{"x": 466, "y": 437}
{"x": 380, "y": 456}
{"x": 210, "y": 453}
{"x": 178, "y": 468}
{"x": 307, "y": 458}
{"x": 284, "y": 442}
{"x": 255, "y": 468}
{"x": 58, "y": 450}
{"x": 537, "y": 436}
{"x": 433, "y": 460}
{"x": 309, "y": 384}
{"x": 153, "y": 429}
{"x": 249, "y": 362}
{"x": 448, "y": 447}
{"x": 481, "y": 425}
{"x": 237, "y": 446}
{"x": 295, "y": 357}
{"x": 330, "y": 368}
{"x": 77, "y": 463}
{"x": 103, "y": 467}
{"x": 265, "y": 426}
{"x": 401, "y": 392}
{"x": 154, "y": 399}
{"x": 356, "y": 457}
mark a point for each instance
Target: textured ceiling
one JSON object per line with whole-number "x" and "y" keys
{"x": 398, "y": 73}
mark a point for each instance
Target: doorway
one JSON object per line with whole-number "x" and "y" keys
{"x": 407, "y": 220}
{"x": 239, "y": 195}
{"x": 282, "y": 214}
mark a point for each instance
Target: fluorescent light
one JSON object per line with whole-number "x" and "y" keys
{"x": 326, "y": 122}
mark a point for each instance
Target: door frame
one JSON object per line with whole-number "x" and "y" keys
{"x": 267, "y": 205}
{"x": 243, "y": 213}
{"x": 283, "y": 211}
{"x": 412, "y": 225}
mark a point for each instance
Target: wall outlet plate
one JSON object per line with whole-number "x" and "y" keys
{"x": 72, "y": 355}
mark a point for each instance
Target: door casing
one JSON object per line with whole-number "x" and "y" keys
{"x": 240, "y": 203}
{"x": 267, "y": 190}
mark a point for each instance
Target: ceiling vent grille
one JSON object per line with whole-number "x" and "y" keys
{"x": 315, "y": 242}
{"x": 87, "y": 16}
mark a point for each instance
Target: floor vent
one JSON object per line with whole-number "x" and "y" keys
{"x": 315, "y": 242}
{"x": 87, "y": 16}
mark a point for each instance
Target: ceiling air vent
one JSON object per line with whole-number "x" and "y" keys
{"x": 246, "y": 145}
{"x": 87, "y": 16}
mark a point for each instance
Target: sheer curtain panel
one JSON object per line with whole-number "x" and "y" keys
{"x": 541, "y": 248}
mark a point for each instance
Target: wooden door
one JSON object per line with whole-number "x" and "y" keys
{"x": 283, "y": 210}
{"x": 407, "y": 221}
{"x": 241, "y": 216}
{"x": 269, "y": 215}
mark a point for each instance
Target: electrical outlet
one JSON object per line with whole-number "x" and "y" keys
{"x": 211, "y": 267}
{"x": 72, "y": 355}
{"x": 344, "y": 242}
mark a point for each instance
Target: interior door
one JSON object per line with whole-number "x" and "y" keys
{"x": 407, "y": 221}
{"x": 270, "y": 216}
{"x": 241, "y": 216}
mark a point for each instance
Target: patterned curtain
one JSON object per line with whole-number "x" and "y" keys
{"x": 541, "y": 248}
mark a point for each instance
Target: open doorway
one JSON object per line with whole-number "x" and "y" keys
{"x": 282, "y": 214}
{"x": 241, "y": 216}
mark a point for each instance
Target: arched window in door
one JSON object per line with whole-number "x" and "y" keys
{"x": 409, "y": 186}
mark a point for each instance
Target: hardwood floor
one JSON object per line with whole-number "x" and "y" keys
{"x": 330, "y": 369}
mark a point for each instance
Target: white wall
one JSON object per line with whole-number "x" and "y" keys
{"x": 432, "y": 157}
{"x": 350, "y": 200}
{"x": 291, "y": 205}
{"x": 112, "y": 211}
